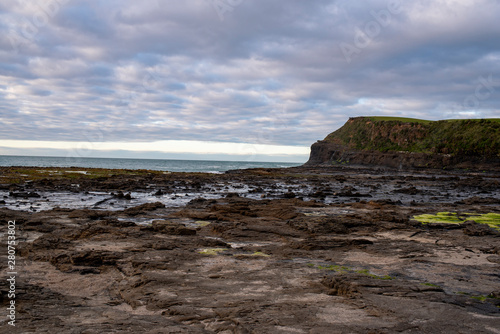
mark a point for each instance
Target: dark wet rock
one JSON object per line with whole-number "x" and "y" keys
{"x": 495, "y": 294}
{"x": 159, "y": 192}
{"x": 97, "y": 204}
{"x": 319, "y": 225}
{"x": 408, "y": 191}
{"x": 201, "y": 203}
{"x": 172, "y": 228}
{"x": 88, "y": 214}
{"x": 222, "y": 227}
{"x": 349, "y": 192}
{"x": 94, "y": 258}
{"x": 47, "y": 241}
{"x": 197, "y": 214}
{"x": 143, "y": 208}
{"x": 479, "y": 200}
{"x": 28, "y": 194}
{"x": 205, "y": 242}
{"x": 444, "y": 226}
{"x": 117, "y": 223}
{"x": 108, "y": 228}
{"x": 164, "y": 245}
{"x": 283, "y": 213}
{"x": 35, "y": 224}
{"x": 339, "y": 286}
{"x": 81, "y": 270}
{"x": 472, "y": 228}
{"x": 238, "y": 208}
{"x": 494, "y": 259}
{"x": 386, "y": 202}
{"x": 315, "y": 244}
{"x": 65, "y": 261}
{"x": 278, "y": 230}
{"x": 121, "y": 195}
{"x": 322, "y": 193}
{"x": 256, "y": 190}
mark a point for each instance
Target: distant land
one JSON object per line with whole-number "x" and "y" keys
{"x": 412, "y": 143}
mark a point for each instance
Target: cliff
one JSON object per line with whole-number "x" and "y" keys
{"x": 412, "y": 143}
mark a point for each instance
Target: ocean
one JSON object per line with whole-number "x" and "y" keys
{"x": 151, "y": 164}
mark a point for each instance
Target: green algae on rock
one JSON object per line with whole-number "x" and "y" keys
{"x": 491, "y": 219}
{"x": 202, "y": 223}
{"x": 211, "y": 251}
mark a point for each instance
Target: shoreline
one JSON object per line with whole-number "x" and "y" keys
{"x": 83, "y": 188}
{"x": 301, "y": 249}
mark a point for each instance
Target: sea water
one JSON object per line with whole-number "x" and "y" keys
{"x": 151, "y": 164}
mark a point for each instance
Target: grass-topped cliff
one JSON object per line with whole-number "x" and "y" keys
{"x": 412, "y": 143}
{"x": 469, "y": 137}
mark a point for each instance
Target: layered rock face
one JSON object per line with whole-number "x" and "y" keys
{"x": 462, "y": 144}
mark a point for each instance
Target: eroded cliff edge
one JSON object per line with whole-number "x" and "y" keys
{"x": 411, "y": 143}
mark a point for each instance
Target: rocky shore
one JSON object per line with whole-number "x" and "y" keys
{"x": 297, "y": 250}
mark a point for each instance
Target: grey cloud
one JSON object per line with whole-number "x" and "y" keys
{"x": 271, "y": 72}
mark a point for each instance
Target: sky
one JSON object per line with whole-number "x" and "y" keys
{"x": 234, "y": 79}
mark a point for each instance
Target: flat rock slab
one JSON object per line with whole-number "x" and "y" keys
{"x": 246, "y": 264}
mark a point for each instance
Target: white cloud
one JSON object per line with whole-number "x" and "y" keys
{"x": 165, "y": 146}
{"x": 271, "y": 73}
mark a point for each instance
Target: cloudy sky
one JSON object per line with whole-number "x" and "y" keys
{"x": 234, "y": 79}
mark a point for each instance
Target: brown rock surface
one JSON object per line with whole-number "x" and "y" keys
{"x": 241, "y": 264}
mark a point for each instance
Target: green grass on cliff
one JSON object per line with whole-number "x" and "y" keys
{"x": 471, "y": 137}
{"x": 399, "y": 119}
